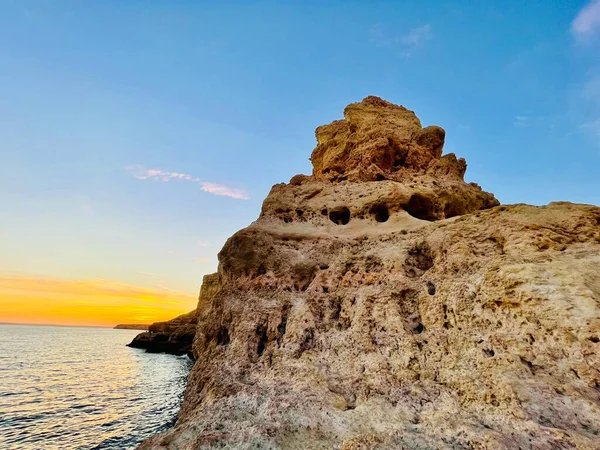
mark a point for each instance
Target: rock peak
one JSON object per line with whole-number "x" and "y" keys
{"x": 380, "y": 141}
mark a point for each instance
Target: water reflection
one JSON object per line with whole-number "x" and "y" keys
{"x": 82, "y": 388}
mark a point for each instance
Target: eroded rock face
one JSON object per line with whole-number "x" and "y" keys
{"x": 350, "y": 315}
{"x": 378, "y": 141}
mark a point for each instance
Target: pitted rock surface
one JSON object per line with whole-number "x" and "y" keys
{"x": 408, "y": 310}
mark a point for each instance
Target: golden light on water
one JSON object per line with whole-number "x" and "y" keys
{"x": 87, "y": 302}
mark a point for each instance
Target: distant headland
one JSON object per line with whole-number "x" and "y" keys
{"x": 132, "y": 326}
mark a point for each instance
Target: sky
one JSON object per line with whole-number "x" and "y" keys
{"x": 136, "y": 137}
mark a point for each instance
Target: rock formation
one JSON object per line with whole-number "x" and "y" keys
{"x": 384, "y": 303}
{"x": 174, "y": 336}
{"x": 131, "y": 326}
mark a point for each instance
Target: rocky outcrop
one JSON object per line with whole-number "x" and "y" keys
{"x": 378, "y": 141}
{"x": 174, "y": 336}
{"x": 382, "y": 302}
{"x": 131, "y": 326}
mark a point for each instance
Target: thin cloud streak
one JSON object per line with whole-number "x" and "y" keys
{"x": 535, "y": 121}
{"x": 417, "y": 36}
{"x": 141, "y": 173}
{"x": 587, "y": 22}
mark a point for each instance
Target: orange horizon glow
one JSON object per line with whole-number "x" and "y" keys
{"x": 104, "y": 303}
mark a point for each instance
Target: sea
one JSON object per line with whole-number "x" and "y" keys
{"x": 83, "y": 388}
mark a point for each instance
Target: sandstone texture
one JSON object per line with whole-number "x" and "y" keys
{"x": 174, "y": 336}
{"x": 384, "y": 303}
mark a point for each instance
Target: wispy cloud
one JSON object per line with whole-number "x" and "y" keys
{"x": 202, "y": 243}
{"x": 587, "y": 22}
{"x": 534, "y": 121}
{"x": 142, "y": 173}
{"x": 406, "y": 43}
{"x": 417, "y": 36}
{"x": 584, "y": 97}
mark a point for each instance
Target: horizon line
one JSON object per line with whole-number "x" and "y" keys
{"x": 69, "y": 325}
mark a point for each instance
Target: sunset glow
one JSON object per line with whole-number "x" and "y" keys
{"x": 87, "y": 302}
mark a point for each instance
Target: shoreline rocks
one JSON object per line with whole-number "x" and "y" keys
{"x": 131, "y": 326}
{"x": 174, "y": 336}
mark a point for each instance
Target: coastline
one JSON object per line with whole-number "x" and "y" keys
{"x": 108, "y": 327}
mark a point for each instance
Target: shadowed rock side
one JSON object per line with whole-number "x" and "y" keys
{"x": 355, "y": 314}
{"x": 131, "y": 326}
{"x": 176, "y": 335}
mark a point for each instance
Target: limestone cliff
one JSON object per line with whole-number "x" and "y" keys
{"x": 384, "y": 303}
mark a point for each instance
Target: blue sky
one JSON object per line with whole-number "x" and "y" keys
{"x": 135, "y": 137}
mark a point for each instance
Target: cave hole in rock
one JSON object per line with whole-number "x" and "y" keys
{"x": 421, "y": 207}
{"x": 430, "y": 288}
{"x": 380, "y": 213}
{"x": 529, "y": 365}
{"x": 453, "y": 210}
{"x": 223, "y": 336}
{"x": 299, "y": 212}
{"x": 336, "y": 308}
{"x": 489, "y": 352}
{"x": 379, "y": 177}
{"x": 399, "y": 160}
{"x": 261, "y": 332}
{"x": 494, "y": 401}
{"x": 399, "y": 155}
{"x": 595, "y": 339}
{"x": 324, "y": 211}
{"x": 446, "y": 323}
{"x": 281, "y": 328}
{"x": 340, "y": 216}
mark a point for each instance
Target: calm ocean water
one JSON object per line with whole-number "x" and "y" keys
{"x": 82, "y": 388}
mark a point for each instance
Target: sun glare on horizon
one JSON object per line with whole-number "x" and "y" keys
{"x": 87, "y": 303}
